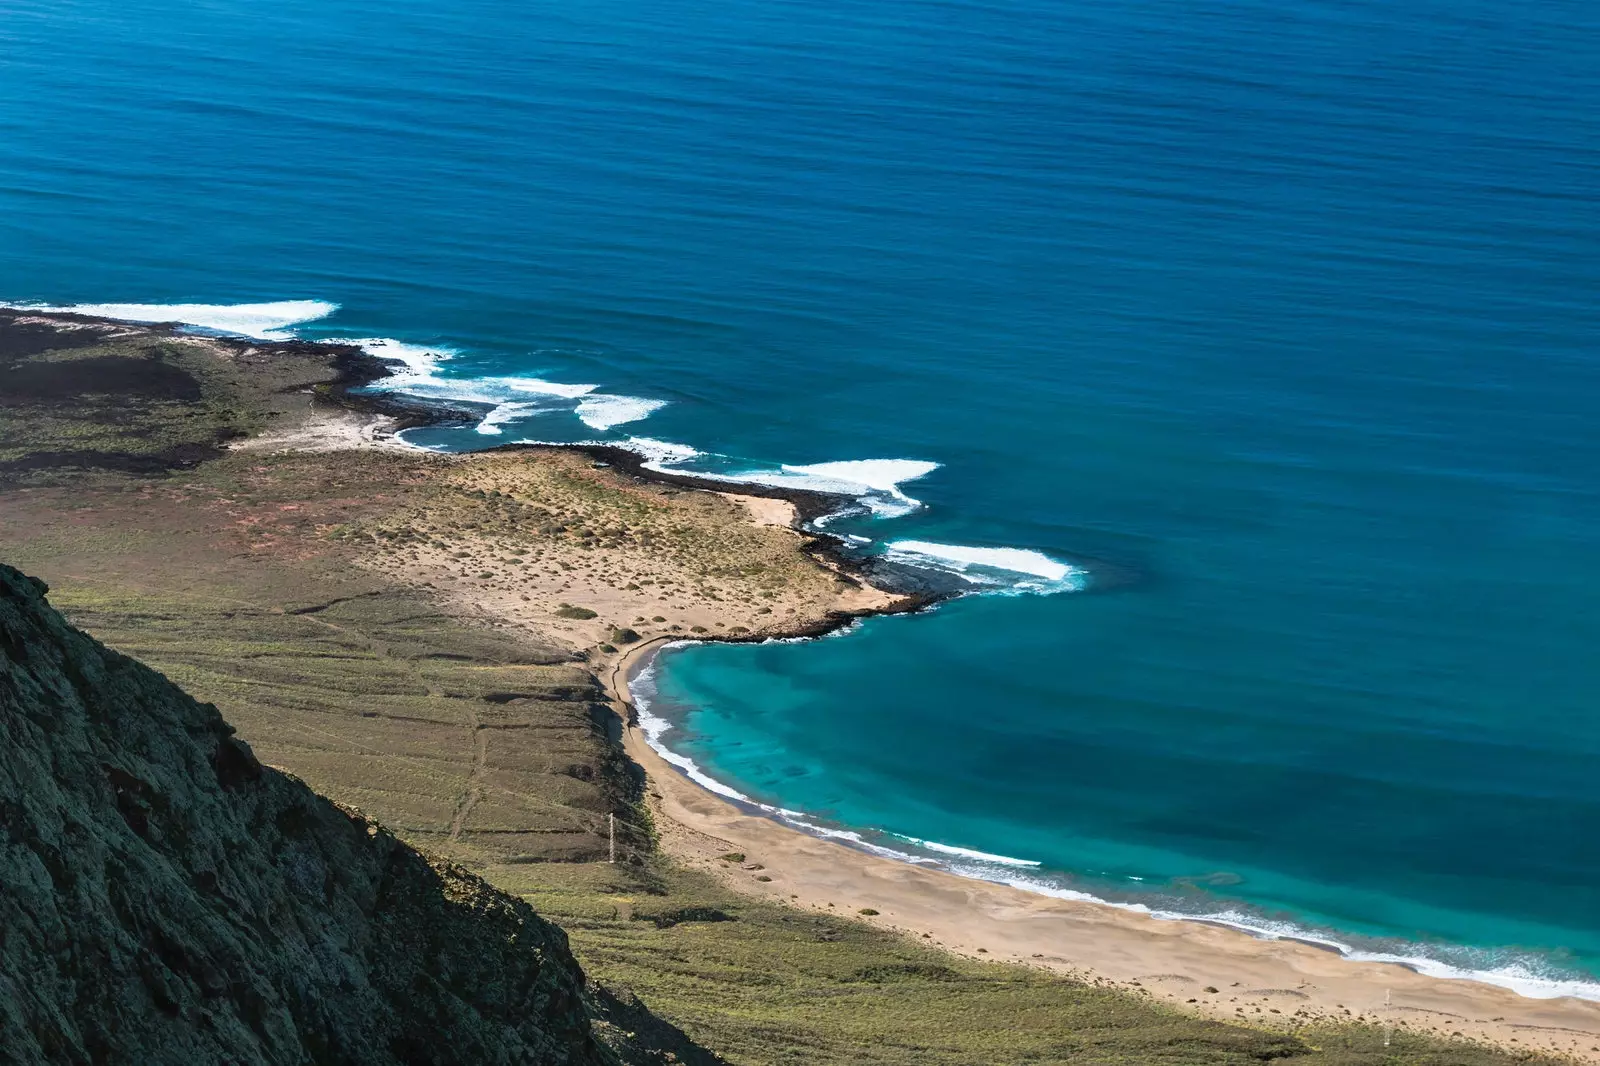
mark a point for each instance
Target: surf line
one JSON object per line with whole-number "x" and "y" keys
{"x": 632, "y": 683}
{"x": 417, "y": 371}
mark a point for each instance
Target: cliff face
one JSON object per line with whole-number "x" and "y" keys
{"x": 164, "y": 898}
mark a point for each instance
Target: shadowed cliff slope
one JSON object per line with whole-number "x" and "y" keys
{"x": 165, "y": 898}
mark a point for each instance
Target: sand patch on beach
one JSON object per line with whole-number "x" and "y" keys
{"x": 325, "y": 429}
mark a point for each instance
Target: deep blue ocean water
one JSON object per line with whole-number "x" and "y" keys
{"x": 1287, "y": 311}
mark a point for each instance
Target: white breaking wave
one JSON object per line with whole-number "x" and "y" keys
{"x": 602, "y": 411}
{"x": 656, "y": 453}
{"x": 962, "y": 557}
{"x": 420, "y": 360}
{"x": 534, "y": 386}
{"x": 1519, "y": 977}
{"x": 660, "y": 453}
{"x": 512, "y": 396}
{"x": 886, "y": 475}
{"x": 1004, "y": 568}
{"x": 265, "y": 321}
{"x": 853, "y": 838}
{"x": 506, "y": 412}
{"x": 874, "y": 482}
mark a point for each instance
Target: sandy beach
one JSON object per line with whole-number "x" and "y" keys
{"x": 1210, "y": 969}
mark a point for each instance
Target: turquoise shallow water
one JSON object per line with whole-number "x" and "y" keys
{"x": 1284, "y": 311}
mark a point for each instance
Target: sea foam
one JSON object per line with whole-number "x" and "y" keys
{"x": 602, "y": 411}
{"x": 874, "y": 483}
{"x": 263, "y": 321}
{"x": 660, "y": 453}
{"x": 513, "y": 397}
{"x": 642, "y": 691}
{"x": 506, "y": 412}
{"x": 1526, "y": 977}
{"x": 1017, "y": 569}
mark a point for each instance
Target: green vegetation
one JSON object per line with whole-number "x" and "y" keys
{"x": 462, "y": 740}
{"x": 767, "y": 984}
{"x": 568, "y": 611}
{"x": 121, "y": 401}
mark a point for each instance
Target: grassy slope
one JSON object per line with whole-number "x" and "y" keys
{"x": 228, "y": 578}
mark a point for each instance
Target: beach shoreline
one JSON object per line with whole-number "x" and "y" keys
{"x": 1195, "y": 965}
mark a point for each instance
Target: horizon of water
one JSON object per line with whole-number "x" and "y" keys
{"x": 1285, "y": 311}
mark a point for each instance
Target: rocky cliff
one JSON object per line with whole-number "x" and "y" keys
{"x": 164, "y": 898}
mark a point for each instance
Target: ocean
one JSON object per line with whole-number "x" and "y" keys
{"x": 1239, "y": 359}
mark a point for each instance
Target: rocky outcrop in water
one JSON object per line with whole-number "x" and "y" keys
{"x": 165, "y": 898}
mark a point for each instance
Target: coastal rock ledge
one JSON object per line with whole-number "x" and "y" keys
{"x": 165, "y": 898}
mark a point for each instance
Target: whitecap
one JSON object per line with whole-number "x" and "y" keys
{"x": 601, "y": 411}
{"x": 886, "y": 475}
{"x": 964, "y": 557}
{"x": 656, "y": 453}
{"x": 538, "y": 386}
{"x": 415, "y": 371}
{"x": 510, "y": 395}
{"x": 263, "y": 321}
{"x": 506, "y": 412}
{"x": 420, "y": 361}
{"x": 659, "y": 453}
{"x": 874, "y": 483}
{"x": 1014, "y": 569}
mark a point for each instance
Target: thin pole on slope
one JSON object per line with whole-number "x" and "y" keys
{"x": 611, "y": 827}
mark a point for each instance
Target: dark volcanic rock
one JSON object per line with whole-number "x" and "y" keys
{"x": 164, "y": 898}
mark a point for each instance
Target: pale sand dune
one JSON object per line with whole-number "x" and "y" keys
{"x": 765, "y": 511}
{"x": 325, "y": 430}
